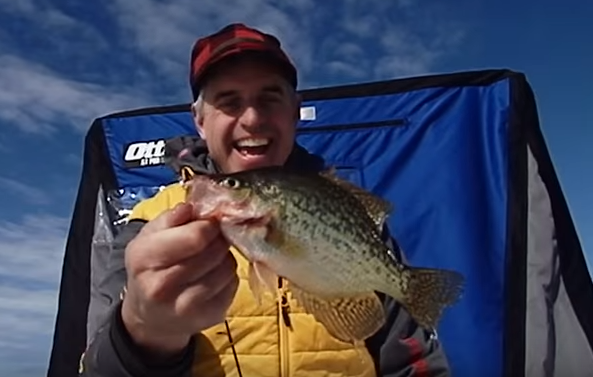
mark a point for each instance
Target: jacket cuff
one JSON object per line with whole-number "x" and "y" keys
{"x": 139, "y": 363}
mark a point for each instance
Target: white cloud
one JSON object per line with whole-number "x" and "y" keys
{"x": 384, "y": 40}
{"x": 55, "y": 21}
{"x": 31, "y": 9}
{"x": 19, "y": 7}
{"x": 31, "y": 252}
{"x": 31, "y": 194}
{"x": 49, "y": 85}
{"x": 26, "y": 314}
{"x": 26, "y": 326}
{"x": 37, "y": 100}
{"x": 165, "y": 32}
{"x": 73, "y": 159}
{"x": 358, "y": 40}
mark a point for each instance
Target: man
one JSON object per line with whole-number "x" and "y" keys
{"x": 186, "y": 309}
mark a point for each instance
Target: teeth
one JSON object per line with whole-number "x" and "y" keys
{"x": 252, "y": 142}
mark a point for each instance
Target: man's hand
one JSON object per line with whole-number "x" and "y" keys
{"x": 181, "y": 280}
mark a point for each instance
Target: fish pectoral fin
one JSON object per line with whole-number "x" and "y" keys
{"x": 376, "y": 207}
{"x": 262, "y": 280}
{"x": 427, "y": 292}
{"x": 273, "y": 236}
{"x": 349, "y": 319}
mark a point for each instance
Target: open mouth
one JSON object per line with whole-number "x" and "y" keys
{"x": 252, "y": 146}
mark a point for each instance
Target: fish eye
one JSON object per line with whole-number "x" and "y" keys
{"x": 231, "y": 183}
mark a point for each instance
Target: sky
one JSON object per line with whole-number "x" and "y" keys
{"x": 64, "y": 63}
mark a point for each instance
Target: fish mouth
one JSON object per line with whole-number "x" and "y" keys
{"x": 236, "y": 207}
{"x": 249, "y": 221}
{"x": 245, "y": 213}
{"x": 227, "y": 211}
{"x": 241, "y": 211}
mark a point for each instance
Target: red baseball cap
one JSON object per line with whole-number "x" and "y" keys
{"x": 231, "y": 40}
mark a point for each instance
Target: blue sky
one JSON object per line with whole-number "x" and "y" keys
{"x": 63, "y": 64}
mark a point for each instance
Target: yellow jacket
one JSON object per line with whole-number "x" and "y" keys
{"x": 268, "y": 340}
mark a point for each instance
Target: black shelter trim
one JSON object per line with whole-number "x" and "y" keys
{"x": 517, "y": 208}
{"x": 573, "y": 265}
{"x": 69, "y": 339}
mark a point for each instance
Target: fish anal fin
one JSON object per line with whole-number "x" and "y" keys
{"x": 428, "y": 292}
{"x": 376, "y": 207}
{"x": 262, "y": 281}
{"x": 349, "y": 319}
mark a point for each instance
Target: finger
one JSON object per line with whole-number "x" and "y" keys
{"x": 196, "y": 296}
{"x": 171, "y": 246}
{"x": 214, "y": 310}
{"x": 173, "y": 280}
{"x": 227, "y": 263}
{"x": 180, "y": 214}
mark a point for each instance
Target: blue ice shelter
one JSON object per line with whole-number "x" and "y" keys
{"x": 462, "y": 158}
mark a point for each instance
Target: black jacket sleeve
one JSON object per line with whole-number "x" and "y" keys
{"x": 110, "y": 351}
{"x": 403, "y": 348}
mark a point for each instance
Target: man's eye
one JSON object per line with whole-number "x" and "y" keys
{"x": 272, "y": 98}
{"x": 230, "y": 104}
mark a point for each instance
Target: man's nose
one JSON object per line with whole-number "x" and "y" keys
{"x": 251, "y": 117}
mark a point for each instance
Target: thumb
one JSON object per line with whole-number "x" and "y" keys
{"x": 181, "y": 214}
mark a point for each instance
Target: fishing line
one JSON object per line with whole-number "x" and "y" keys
{"x": 228, "y": 331}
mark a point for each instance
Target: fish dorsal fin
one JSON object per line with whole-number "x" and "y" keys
{"x": 377, "y": 208}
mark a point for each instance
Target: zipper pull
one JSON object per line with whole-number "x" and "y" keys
{"x": 284, "y": 305}
{"x": 285, "y": 310}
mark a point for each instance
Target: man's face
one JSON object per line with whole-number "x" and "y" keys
{"x": 249, "y": 116}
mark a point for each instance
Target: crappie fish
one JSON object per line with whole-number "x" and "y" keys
{"x": 322, "y": 235}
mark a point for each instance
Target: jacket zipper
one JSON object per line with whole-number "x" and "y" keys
{"x": 284, "y": 324}
{"x": 354, "y": 126}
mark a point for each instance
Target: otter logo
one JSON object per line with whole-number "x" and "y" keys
{"x": 145, "y": 153}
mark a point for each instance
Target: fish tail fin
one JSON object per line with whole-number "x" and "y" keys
{"x": 427, "y": 292}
